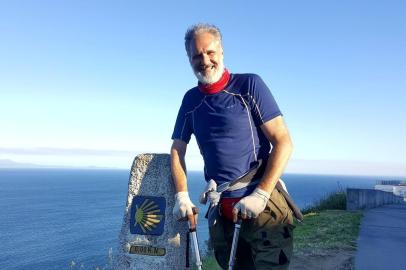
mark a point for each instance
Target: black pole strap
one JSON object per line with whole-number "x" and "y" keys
{"x": 187, "y": 249}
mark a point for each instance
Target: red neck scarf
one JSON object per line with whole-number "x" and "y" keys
{"x": 216, "y": 87}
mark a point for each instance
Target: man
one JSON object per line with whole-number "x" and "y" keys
{"x": 235, "y": 120}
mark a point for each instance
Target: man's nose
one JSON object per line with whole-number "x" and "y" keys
{"x": 206, "y": 59}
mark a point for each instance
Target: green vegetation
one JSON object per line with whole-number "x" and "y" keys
{"x": 328, "y": 229}
{"x": 327, "y": 226}
{"x": 210, "y": 262}
{"x": 333, "y": 201}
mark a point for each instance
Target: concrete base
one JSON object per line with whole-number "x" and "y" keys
{"x": 370, "y": 198}
{"x": 151, "y": 176}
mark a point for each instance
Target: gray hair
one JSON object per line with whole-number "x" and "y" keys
{"x": 199, "y": 28}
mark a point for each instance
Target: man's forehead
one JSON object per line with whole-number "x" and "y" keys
{"x": 205, "y": 41}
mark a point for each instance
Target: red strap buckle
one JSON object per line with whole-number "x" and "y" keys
{"x": 226, "y": 207}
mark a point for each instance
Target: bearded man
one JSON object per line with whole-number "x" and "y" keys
{"x": 235, "y": 120}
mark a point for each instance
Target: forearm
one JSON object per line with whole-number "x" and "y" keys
{"x": 178, "y": 170}
{"x": 277, "y": 161}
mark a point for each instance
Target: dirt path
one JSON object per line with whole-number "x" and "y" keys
{"x": 331, "y": 259}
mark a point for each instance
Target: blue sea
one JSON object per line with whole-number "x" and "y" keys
{"x": 70, "y": 219}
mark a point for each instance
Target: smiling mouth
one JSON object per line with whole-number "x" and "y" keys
{"x": 206, "y": 68}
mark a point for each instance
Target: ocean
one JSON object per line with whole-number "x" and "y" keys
{"x": 70, "y": 219}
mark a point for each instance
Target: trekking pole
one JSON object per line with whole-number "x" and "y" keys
{"x": 192, "y": 231}
{"x": 234, "y": 245}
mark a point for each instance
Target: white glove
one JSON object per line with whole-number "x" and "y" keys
{"x": 183, "y": 205}
{"x": 210, "y": 194}
{"x": 252, "y": 205}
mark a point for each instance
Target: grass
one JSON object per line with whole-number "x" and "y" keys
{"x": 333, "y": 201}
{"x": 209, "y": 262}
{"x": 328, "y": 229}
{"x": 327, "y": 226}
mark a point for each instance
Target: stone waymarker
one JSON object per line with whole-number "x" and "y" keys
{"x": 151, "y": 237}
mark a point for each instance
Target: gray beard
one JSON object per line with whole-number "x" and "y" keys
{"x": 210, "y": 79}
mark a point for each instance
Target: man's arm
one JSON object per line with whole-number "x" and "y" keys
{"x": 178, "y": 165}
{"x": 183, "y": 205}
{"x": 277, "y": 134}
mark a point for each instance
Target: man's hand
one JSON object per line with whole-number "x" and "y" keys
{"x": 210, "y": 194}
{"x": 252, "y": 205}
{"x": 183, "y": 206}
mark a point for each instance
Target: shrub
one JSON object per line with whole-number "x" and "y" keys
{"x": 333, "y": 201}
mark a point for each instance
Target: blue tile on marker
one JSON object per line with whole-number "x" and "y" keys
{"x": 147, "y": 215}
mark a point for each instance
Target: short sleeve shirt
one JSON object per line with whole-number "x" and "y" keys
{"x": 226, "y": 126}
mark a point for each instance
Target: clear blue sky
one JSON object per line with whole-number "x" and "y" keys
{"x": 96, "y": 82}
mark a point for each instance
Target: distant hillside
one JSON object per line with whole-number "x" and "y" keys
{"x": 7, "y": 163}
{"x": 10, "y": 164}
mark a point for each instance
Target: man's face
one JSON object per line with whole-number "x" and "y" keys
{"x": 206, "y": 58}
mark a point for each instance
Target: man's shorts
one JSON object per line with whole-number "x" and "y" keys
{"x": 265, "y": 242}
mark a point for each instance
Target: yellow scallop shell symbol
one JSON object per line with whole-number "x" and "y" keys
{"x": 147, "y": 215}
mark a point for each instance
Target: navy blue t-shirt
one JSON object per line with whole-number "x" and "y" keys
{"x": 227, "y": 127}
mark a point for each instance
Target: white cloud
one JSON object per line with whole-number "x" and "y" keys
{"x": 111, "y": 158}
{"x": 346, "y": 167}
{"x": 64, "y": 151}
